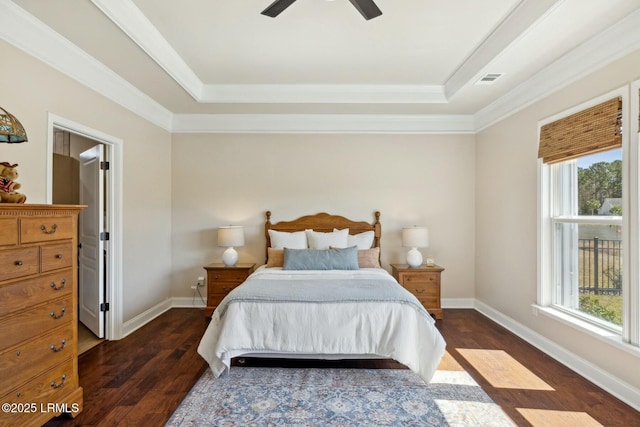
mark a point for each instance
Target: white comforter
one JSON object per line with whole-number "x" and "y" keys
{"x": 403, "y": 332}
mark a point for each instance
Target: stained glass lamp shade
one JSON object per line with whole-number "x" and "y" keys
{"x": 11, "y": 130}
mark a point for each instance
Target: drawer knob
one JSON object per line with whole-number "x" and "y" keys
{"x": 420, "y": 291}
{"x": 57, "y": 288}
{"x": 18, "y": 353}
{"x": 58, "y": 316}
{"x": 59, "y": 256}
{"x": 54, "y": 227}
{"x": 18, "y": 263}
{"x": 58, "y": 385}
{"x": 57, "y": 349}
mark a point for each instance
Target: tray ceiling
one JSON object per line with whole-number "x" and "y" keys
{"x": 318, "y": 57}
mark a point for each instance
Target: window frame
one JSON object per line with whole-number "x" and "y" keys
{"x": 630, "y": 330}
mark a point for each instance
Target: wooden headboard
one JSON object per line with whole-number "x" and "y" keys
{"x": 325, "y": 223}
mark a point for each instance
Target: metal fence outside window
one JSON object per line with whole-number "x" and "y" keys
{"x": 600, "y": 266}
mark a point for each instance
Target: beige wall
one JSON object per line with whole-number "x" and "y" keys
{"x": 506, "y": 219}
{"x": 30, "y": 90}
{"x": 477, "y": 194}
{"x": 411, "y": 179}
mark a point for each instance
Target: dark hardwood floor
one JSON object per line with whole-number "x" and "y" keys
{"x": 141, "y": 379}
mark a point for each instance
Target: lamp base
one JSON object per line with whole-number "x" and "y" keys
{"x": 230, "y": 257}
{"x": 414, "y": 258}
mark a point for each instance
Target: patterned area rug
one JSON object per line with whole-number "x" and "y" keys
{"x": 336, "y": 397}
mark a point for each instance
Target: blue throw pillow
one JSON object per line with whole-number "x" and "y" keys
{"x": 321, "y": 259}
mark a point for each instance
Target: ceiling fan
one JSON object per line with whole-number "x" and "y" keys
{"x": 367, "y": 8}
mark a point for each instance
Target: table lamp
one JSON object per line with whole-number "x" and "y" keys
{"x": 414, "y": 238}
{"x": 230, "y": 237}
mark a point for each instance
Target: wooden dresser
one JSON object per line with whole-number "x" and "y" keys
{"x": 38, "y": 313}
{"x": 221, "y": 280}
{"x": 423, "y": 282}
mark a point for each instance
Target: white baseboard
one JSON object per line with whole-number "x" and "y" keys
{"x": 155, "y": 311}
{"x": 458, "y": 303}
{"x": 612, "y": 385}
{"x": 187, "y": 302}
{"x": 143, "y": 318}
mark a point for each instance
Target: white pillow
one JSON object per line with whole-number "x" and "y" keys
{"x": 282, "y": 239}
{"x": 362, "y": 241}
{"x": 335, "y": 239}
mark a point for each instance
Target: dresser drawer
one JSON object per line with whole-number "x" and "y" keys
{"x": 27, "y": 293}
{"x": 26, "y": 361}
{"x": 49, "y": 387}
{"x": 44, "y": 229}
{"x": 422, "y": 290}
{"x": 53, "y": 257}
{"x": 229, "y": 276}
{"x": 424, "y": 283}
{"x": 18, "y": 262}
{"x": 430, "y": 302}
{"x": 223, "y": 288}
{"x": 220, "y": 290}
{"x": 28, "y": 324}
{"x": 8, "y": 231}
{"x": 421, "y": 278}
{"x": 214, "y": 300}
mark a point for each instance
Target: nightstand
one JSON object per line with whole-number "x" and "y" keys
{"x": 423, "y": 282}
{"x": 221, "y": 280}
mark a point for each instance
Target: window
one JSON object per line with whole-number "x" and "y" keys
{"x": 586, "y": 227}
{"x": 586, "y": 214}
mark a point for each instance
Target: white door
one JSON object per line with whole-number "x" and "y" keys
{"x": 91, "y": 252}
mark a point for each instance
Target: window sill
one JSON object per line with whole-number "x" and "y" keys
{"x": 590, "y": 329}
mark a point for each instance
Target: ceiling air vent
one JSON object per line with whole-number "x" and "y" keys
{"x": 489, "y": 78}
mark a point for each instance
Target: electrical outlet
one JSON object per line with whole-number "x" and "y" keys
{"x": 200, "y": 281}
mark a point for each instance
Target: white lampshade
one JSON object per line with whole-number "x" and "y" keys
{"x": 414, "y": 238}
{"x": 230, "y": 236}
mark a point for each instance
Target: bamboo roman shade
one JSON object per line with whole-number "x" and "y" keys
{"x": 586, "y": 132}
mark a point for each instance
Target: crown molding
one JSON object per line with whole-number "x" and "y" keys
{"x": 329, "y": 94}
{"x": 27, "y": 33}
{"x": 520, "y": 21}
{"x": 126, "y": 15}
{"x": 323, "y": 123}
{"x": 24, "y": 31}
{"x": 614, "y": 43}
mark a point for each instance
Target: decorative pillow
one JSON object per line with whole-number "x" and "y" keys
{"x": 321, "y": 259}
{"x": 361, "y": 240}
{"x": 369, "y": 258}
{"x": 319, "y": 240}
{"x": 275, "y": 257}
{"x": 282, "y": 239}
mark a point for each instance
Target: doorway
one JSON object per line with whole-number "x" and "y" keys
{"x": 84, "y": 167}
{"x": 78, "y": 179}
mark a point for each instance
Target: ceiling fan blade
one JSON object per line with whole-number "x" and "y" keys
{"x": 277, "y": 7}
{"x": 367, "y": 8}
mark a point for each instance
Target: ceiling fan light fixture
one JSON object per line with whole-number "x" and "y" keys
{"x": 367, "y": 8}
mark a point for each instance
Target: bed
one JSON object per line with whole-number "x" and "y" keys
{"x": 322, "y": 295}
